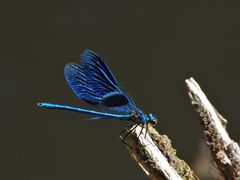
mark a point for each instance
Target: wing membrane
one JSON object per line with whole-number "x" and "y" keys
{"x": 77, "y": 80}
{"x": 95, "y": 83}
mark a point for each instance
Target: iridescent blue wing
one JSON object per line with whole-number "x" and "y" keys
{"x": 77, "y": 80}
{"x": 95, "y": 83}
{"x": 97, "y": 72}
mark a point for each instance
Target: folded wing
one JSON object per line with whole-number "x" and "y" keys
{"x": 95, "y": 83}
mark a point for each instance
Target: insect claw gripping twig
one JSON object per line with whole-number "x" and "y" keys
{"x": 129, "y": 132}
{"x": 141, "y": 131}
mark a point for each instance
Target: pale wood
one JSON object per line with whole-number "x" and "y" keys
{"x": 155, "y": 155}
{"x": 225, "y": 152}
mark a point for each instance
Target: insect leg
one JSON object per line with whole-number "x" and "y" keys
{"x": 125, "y": 129}
{"x": 141, "y": 131}
{"x": 146, "y": 130}
{"x": 123, "y": 139}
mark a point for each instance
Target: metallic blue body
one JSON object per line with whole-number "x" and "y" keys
{"x": 86, "y": 111}
{"x": 94, "y": 83}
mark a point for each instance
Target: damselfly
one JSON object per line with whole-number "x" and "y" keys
{"x": 94, "y": 83}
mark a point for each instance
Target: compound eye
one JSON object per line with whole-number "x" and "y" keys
{"x": 151, "y": 116}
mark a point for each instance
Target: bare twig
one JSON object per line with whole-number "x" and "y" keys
{"x": 156, "y": 156}
{"x": 225, "y": 152}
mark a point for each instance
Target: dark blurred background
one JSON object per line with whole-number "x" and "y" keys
{"x": 151, "y": 46}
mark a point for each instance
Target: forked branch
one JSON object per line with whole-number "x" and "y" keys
{"x": 154, "y": 153}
